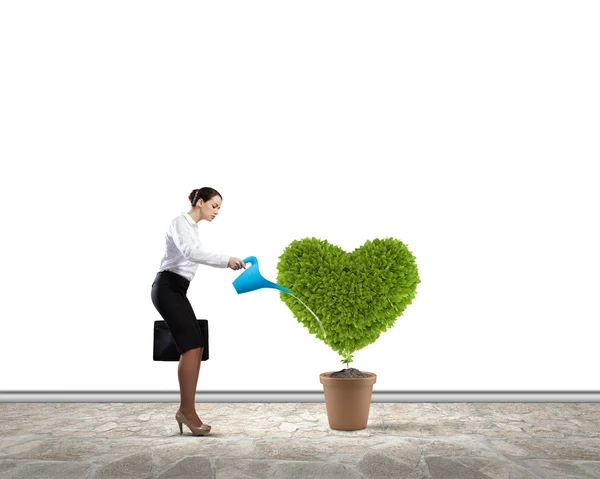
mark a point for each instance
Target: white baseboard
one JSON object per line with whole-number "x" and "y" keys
{"x": 297, "y": 396}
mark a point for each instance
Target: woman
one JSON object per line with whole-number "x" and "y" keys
{"x": 183, "y": 254}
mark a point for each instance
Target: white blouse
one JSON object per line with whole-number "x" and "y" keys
{"x": 183, "y": 251}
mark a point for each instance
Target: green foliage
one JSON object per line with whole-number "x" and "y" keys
{"x": 356, "y": 295}
{"x": 347, "y": 359}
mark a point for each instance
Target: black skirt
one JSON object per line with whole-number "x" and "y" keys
{"x": 170, "y": 300}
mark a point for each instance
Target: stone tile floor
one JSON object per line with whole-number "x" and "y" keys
{"x": 293, "y": 440}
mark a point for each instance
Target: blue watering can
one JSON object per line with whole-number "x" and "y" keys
{"x": 251, "y": 279}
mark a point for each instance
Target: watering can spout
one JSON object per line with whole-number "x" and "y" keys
{"x": 251, "y": 279}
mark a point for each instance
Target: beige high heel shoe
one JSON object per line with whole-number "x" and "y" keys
{"x": 196, "y": 430}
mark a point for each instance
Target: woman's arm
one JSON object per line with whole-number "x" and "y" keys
{"x": 191, "y": 247}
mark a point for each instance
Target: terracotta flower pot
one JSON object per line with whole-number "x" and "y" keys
{"x": 348, "y": 400}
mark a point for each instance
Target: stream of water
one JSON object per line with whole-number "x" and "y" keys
{"x": 311, "y": 311}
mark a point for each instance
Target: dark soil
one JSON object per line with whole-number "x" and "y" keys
{"x": 349, "y": 374}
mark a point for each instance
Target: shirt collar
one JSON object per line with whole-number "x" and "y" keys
{"x": 189, "y": 219}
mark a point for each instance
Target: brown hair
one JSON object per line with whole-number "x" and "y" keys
{"x": 204, "y": 193}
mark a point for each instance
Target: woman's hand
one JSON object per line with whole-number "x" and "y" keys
{"x": 236, "y": 263}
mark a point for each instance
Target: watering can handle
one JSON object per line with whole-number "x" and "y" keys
{"x": 251, "y": 259}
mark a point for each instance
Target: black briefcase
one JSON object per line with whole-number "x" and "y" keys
{"x": 164, "y": 348}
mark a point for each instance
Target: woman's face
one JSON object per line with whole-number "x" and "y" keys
{"x": 209, "y": 209}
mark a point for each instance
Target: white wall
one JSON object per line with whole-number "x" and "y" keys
{"x": 468, "y": 130}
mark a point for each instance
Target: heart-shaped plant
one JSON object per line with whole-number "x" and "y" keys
{"x": 356, "y": 295}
